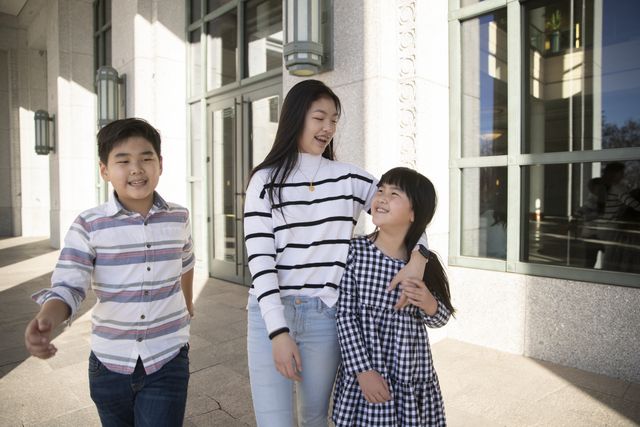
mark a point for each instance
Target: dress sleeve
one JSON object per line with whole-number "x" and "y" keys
{"x": 352, "y": 347}
{"x": 259, "y": 239}
{"x": 71, "y": 277}
{"x": 439, "y": 319}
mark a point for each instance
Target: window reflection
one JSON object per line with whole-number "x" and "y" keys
{"x": 263, "y": 37}
{"x": 583, "y": 76}
{"x": 222, "y": 47}
{"x": 195, "y": 64}
{"x": 484, "y": 85}
{"x": 590, "y": 221}
{"x": 484, "y": 212}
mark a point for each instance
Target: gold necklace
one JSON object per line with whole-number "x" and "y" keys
{"x": 311, "y": 186}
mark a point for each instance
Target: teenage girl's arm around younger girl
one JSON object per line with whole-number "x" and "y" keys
{"x": 354, "y": 353}
{"x": 435, "y": 311}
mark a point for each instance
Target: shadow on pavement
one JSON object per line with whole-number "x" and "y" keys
{"x": 16, "y": 311}
{"x": 25, "y": 251}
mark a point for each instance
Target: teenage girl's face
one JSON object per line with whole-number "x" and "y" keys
{"x": 319, "y": 127}
{"x": 391, "y": 209}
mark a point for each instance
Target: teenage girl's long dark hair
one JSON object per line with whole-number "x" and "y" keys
{"x": 284, "y": 153}
{"x": 422, "y": 196}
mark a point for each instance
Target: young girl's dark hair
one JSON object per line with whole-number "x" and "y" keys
{"x": 422, "y": 196}
{"x": 284, "y": 152}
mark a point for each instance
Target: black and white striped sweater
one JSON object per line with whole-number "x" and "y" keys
{"x": 303, "y": 253}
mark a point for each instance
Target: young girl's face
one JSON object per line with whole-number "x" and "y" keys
{"x": 391, "y": 209}
{"x": 319, "y": 127}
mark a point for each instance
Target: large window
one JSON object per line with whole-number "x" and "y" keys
{"x": 548, "y": 157}
{"x": 233, "y": 40}
{"x": 102, "y": 32}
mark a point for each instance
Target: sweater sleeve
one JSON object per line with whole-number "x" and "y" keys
{"x": 261, "y": 251}
{"x": 352, "y": 346}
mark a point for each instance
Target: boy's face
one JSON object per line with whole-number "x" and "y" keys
{"x": 133, "y": 168}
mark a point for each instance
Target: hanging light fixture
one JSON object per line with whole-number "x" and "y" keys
{"x": 308, "y": 37}
{"x": 43, "y": 140}
{"x": 110, "y": 89}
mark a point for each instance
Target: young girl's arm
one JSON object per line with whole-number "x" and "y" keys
{"x": 352, "y": 348}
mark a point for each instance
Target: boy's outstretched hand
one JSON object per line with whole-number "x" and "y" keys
{"x": 374, "y": 387}
{"x": 37, "y": 338}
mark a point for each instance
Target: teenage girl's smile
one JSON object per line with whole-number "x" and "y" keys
{"x": 319, "y": 127}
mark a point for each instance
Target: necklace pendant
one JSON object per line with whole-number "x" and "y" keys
{"x": 311, "y": 187}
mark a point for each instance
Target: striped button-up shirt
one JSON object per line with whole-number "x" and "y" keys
{"x": 134, "y": 265}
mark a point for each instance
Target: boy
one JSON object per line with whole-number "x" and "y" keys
{"x": 136, "y": 253}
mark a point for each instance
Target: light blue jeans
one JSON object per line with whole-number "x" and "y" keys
{"x": 313, "y": 328}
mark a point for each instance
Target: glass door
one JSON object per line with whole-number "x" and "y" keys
{"x": 241, "y": 131}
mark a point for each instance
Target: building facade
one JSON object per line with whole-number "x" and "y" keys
{"x": 524, "y": 114}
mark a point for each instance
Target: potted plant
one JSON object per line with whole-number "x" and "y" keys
{"x": 553, "y": 28}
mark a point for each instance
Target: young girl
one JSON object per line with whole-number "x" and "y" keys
{"x": 300, "y": 209}
{"x": 387, "y": 377}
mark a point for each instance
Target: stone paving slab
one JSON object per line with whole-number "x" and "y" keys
{"x": 481, "y": 387}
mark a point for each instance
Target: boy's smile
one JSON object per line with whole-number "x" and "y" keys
{"x": 134, "y": 169}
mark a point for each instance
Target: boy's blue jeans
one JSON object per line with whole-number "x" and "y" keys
{"x": 313, "y": 327}
{"x": 139, "y": 399}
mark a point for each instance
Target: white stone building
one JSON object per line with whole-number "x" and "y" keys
{"x": 512, "y": 108}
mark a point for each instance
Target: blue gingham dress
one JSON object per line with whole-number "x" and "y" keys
{"x": 373, "y": 335}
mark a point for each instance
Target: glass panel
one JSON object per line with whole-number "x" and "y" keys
{"x": 197, "y": 199}
{"x": 196, "y": 10}
{"x": 195, "y": 64}
{"x": 484, "y": 212}
{"x": 214, "y": 4}
{"x": 224, "y": 212}
{"x": 107, "y": 47}
{"x": 484, "y": 85}
{"x": 590, "y": 221}
{"x": 107, "y": 11}
{"x": 222, "y": 48}
{"x": 583, "y": 80}
{"x": 263, "y": 125}
{"x": 263, "y": 36}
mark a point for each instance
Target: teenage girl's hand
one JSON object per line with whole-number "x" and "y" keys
{"x": 287, "y": 356}
{"x": 416, "y": 293}
{"x": 413, "y": 269}
{"x": 374, "y": 387}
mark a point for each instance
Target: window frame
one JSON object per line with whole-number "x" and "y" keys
{"x": 100, "y": 30}
{"x": 514, "y": 160}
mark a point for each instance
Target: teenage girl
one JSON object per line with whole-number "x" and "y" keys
{"x": 300, "y": 209}
{"x": 387, "y": 377}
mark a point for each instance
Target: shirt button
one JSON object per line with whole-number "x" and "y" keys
{"x": 148, "y": 245}
{"x": 146, "y": 223}
{"x": 148, "y": 268}
{"x": 139, "y": 340}
{"x": 146, "y": 292}
{"x": 142, "y": 317}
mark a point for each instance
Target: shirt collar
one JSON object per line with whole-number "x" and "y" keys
{"x": 114, "y": 206}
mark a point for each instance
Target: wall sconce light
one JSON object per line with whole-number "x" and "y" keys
{"x": 308, "y": 37}
{"x": 44, "y": 144}
{"x": 111, "y": 91}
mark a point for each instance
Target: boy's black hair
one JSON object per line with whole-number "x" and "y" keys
{"x": 422, "y": 196}
{"x": 116, "y": 132}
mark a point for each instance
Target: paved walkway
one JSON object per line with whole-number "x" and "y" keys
{"x": 481, "y": 387}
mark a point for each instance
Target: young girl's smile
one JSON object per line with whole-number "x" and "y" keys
{"x": 391, "y": 207}
{"x": 319, "y": 127}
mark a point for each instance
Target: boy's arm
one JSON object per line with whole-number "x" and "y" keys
{"x": 186, "y": 283}
{"x": 37, "y": 336}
